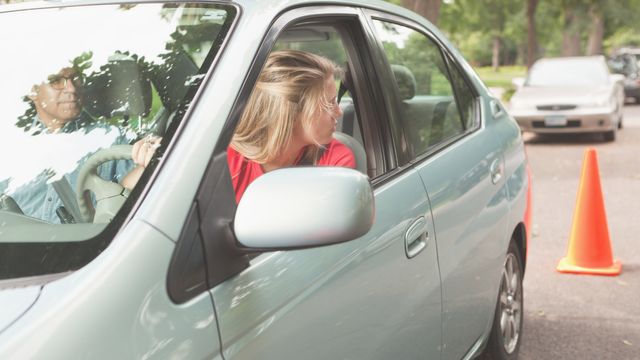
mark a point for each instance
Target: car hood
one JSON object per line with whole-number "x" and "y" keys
{"x": 535, "y": 95}
{"x": 15, "y": 302}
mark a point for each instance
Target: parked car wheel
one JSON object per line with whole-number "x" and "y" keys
{"x": 610, "y": 135}
{"x": 504, "y": 341}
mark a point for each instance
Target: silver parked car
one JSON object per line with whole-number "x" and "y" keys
{"x": 570, "y": 95}
{"x": 418, "y": 253}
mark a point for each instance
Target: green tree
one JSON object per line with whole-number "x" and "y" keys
{"x": 497, "y": 20}
{"x": 532, "y": 35}
{"x": 429, "y": 9}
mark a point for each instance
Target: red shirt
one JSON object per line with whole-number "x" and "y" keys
{"x": 244, "y": 171}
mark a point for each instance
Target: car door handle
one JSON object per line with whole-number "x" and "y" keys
{"x": 496, "y": 169}
{"x": 416, "y": 237}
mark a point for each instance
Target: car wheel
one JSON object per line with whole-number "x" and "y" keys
{"x": 620, "y": 122}
{"x": 504, "y": 339}
{"x": 610, "y": 135}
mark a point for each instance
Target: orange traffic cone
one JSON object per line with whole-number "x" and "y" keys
{"x": 589, "y": 247}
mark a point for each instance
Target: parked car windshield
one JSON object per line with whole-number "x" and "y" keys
{"x": 86, "y": 83}
{"x": 568, "y": 72}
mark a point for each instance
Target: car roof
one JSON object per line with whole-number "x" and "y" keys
{"x": 627, "y": 50}
{"x": 260, "y": 12}
{"x": 265, "y": 7}
{"x": 265, "y": 11}
{"x": 595, "y": 58}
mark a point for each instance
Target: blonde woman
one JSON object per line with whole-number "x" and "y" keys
{"x": 289, "y": 120}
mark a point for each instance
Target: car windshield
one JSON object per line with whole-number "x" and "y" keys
{"x": 80, "y": 86}
{"x": 568, "y": 72}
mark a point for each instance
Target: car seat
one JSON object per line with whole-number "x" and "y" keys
{"x": 119, "y": 89}
{"x": 356, "y": 148}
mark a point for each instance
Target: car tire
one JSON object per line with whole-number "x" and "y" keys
{"x": 610, "y": 136}
{"x": 505, "y": 337}
{"x": 620, "y": 122}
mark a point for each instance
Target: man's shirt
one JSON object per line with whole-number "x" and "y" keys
{"x": 38, "y": 198}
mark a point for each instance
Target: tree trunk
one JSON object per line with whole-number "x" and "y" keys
{"x": 571, "y": 33}
{"x": 596, "y": 33}
{"x": 430, "y": 9}
{"x": 532, "y": 37}
{"x": 495, "y": 58}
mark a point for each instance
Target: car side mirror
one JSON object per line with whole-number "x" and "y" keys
{"x": 518, "y": 82}
{"x": 615, "y": 78}
{"x": 304, "y": 207}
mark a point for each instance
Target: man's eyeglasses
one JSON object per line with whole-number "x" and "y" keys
{"x": 59, "y": 82}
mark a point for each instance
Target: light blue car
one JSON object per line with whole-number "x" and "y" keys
{"x": 419, "y": 253}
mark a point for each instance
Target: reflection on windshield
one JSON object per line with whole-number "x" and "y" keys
{"x": 73, "y": 95}
{"x": 568, "y": 73}
{"x": 82, "y": 84}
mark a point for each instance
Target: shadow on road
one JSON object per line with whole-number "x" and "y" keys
{"x": 578, "y": 337}
{"x": 563, "y": 139}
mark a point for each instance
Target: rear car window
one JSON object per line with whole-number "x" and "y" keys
{"x": 81, "y": 85}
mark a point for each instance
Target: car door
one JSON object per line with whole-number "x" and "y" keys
{"x": 375, "y": 297}
{"x": 460, "y": 162}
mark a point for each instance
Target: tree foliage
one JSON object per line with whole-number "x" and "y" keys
{"x": 562, "y": 27}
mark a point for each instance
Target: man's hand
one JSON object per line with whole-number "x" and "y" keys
{"x": 144, "y": 149}
{"x": 142, "y": 153}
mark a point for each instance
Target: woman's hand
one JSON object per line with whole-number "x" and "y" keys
{"x": 142, "y": 153}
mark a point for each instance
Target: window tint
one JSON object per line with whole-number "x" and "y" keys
{"x": 429, "y": 112}
{"x": 465, "y": 97}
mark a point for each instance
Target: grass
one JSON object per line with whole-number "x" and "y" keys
{"x": 502, "y": 78}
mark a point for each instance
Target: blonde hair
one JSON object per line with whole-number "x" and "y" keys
{"x": 290, "y": 88}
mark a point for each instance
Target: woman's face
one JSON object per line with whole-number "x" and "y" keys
{"x": 324, "y": 122}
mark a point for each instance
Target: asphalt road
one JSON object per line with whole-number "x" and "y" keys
{"x": 583, "y": 316}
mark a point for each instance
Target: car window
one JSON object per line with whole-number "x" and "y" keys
{"x": 326, "y": 41}
{"x": 81, "y": 86}
{"x": 300, "y": 59}
{"x": 465, "y": 97}
{"x": 429, "y": 113}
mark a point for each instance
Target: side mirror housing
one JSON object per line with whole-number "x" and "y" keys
{"x": 617, "y": 78}
{"x": 304, "y": 207}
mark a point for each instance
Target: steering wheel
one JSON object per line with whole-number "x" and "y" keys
{"x": 109, "y": 195}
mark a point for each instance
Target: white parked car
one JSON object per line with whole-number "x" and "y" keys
{"x": 570, "y": 95}
{"x": 418, "y": 252}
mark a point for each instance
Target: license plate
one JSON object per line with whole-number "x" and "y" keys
{"x": 555, "y": 120}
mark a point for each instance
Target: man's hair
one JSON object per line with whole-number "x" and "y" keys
{"x": 290, "y": 88}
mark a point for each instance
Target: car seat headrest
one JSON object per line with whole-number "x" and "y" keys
{"x": 172, "y": 79}
{"x": 119, "y": 88}
{"x": 406, "y": 81}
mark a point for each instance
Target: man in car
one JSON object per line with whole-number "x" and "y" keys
{"x": 57, "y": 122}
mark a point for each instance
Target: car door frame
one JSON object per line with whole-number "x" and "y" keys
{"x": 212, "y": 243}
{"x": 207, "y": 251}
{"x": 416, "y": 160}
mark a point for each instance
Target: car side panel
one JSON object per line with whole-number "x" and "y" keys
{"x": 116, "y": 307}
{"x": 361, "y": 300}
{"x": 471, "y": 216}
